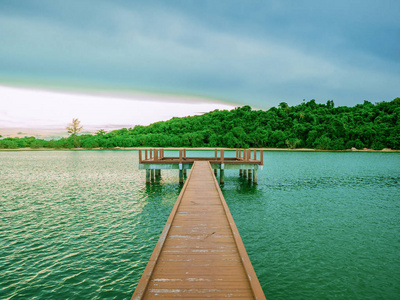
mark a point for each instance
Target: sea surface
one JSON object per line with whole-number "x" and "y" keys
{"x": 83, "y": 224}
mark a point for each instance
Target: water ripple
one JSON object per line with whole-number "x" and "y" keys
{"x": 83, "y": 224}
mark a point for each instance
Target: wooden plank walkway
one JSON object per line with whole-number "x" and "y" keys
{"x": 200, "y": 253}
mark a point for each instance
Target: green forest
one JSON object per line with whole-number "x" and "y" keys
{"x": 307, "y": 125}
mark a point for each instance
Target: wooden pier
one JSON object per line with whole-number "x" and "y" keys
{"x": 200, "y": 253}
{"x": 246, "y": 161}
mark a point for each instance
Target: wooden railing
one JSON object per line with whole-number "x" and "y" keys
{"x": 156, "y": 155}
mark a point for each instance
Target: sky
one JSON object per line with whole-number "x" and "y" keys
{"x": 229, "y": 52}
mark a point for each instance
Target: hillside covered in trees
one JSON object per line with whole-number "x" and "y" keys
{"x": 308, "y": 125}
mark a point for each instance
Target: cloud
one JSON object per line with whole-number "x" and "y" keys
{"x": 158, "y": 47}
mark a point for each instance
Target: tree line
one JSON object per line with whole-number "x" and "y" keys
{"x": 307, "y": 125}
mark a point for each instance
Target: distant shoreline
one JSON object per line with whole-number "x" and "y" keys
{"x": 198, "y": 148}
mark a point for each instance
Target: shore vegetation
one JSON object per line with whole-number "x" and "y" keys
{"x": 307, "y": 125}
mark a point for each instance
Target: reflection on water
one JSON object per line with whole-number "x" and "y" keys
{"x": 318, "y": 225}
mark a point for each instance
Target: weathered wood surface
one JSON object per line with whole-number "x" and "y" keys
{"x": 200, "y": 253}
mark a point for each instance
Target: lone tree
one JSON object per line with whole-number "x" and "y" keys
{"x": 74, "y": 129}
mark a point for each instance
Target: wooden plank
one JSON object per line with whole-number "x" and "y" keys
{"x": 199, "y": 254}
{"x": 255, "y": 284}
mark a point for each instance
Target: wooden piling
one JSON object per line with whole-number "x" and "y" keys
{"x": 180, "y": 176}
{"x": 147, "y": 176}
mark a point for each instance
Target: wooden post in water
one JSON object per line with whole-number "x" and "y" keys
{"x": 153, "y": 172}
{"x": 184, "y": 172}
{"x": 255, "y": 176}
{"x": 180, "y": 176}
{"x": 148, "y": 176}
{"x": 244, "y": 173}
{"x": 158, "y": 173}
{"x": 241, "y": 172}
{"x": 222, "y": 176}
{"x": 215, "y": 173}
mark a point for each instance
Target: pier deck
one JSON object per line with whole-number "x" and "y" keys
{"x": 200, "y": 253}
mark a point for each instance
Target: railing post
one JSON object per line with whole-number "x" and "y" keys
{"x": 262, "y": 157}
{"x": 184, "y": 153}
{"x": 216, "y": 154}
{"x": 151, "y": 153}
{"x": 180, "y": 156}
{"x": 140, "y": 156}
{"x": 145, "y": 154}
{"x": 255, "y": 154}
{"x": 222, "y": 156}
{"x": 155, "y": 154}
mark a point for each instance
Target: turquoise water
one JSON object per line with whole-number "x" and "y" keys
{"x": 82, "y": 225}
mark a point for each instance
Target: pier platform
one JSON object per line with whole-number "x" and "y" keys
{"x": 246, "y": 161}
{"x": 200, "y": 253}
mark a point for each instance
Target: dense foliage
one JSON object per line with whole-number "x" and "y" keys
{"x": 308, "y": 125}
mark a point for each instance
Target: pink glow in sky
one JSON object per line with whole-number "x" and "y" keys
{"x": 23, "y": 109}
